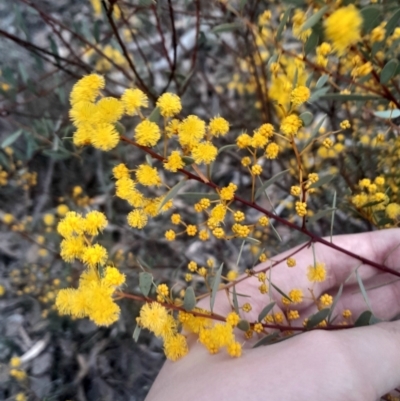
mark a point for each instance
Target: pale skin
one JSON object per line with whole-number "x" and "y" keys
{"x": 353, "y": 364}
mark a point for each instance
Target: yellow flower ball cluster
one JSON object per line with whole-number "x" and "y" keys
{"x": 126, "y": 188}
{"x": 372, "y": 198}
{"x": 156, "y": 318}
{"x": 93, "y": 297}
{"x": 95, "y": 121}
{"x": 343, "y": 28}
{"x": 216, "y": 336}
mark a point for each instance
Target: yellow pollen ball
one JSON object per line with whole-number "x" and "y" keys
{"x": 291, "y": 124}
{"x": 218, "y": 126}
{"x": 147, "y": 133}
{"x": 343, "y": 28}
{"x": 133, "y": 100}
{"x": 169, "y": 104}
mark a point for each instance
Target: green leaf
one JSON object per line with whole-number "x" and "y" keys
{"x": 243, "y": 325}
{"x": 149, "y": 160}
{"x": 317, "y": 94}
{"x": 271, "y": 60}
{"x": 392, "y": 23}
{"x": 374, "y": 320}
{"x": 388, "y": 71}
{"x": 145, "y": 282}
{"x": 335, "y": 301}
{"x": 371, "y": 16}
{"x": 307, "y": 118}
{"x": 322, "y": 81}
{"x": 11, "y": 139}
{"x": 388, "y": 114}
{"x": 280, "y": 292}
{"x": 282, "y": 24}
{"x": 96, "y": 30}
{"x": 314, "y": 19}
{"x": 317, "y": 318}
{"x": 320, "y": 215}
{"x": 228, "y": 27}
{"x": 198, "y": 196}
{"x": 363, "y": 291}
{"x": 347, "y": 98}
{"x": 189, "y": 301}
{"x": 215, "y": 286}
{"x": 311, "y": 43}
{"x": 253, "y": 241}
{"x": 227, "y": 147}
{"x": 384, "y": 221}
{"x": 267, "y": 183}
{"x": 322, "y": 181}
{"x": 188, "y": 160}
{"x": 314, "y": 133}
{"x": 309, "y": 80}
{"x": 155, "y": 115}
{"x": 136, "y": 333}
{"x": 4, "y": 161}
{"x": 61, "y": 154}
{"x": 275, "y": 231}
{"x": 370, "y": 204}
{"x": 265, "y": 311}
{"x": 120, "y": 128}
{"x": 267, "y": 340}
{"x": 235, "y": 300}
{"x": 172, "y": 192}
{"x": 364, "y": 319}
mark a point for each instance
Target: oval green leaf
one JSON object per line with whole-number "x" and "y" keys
{"x": 267, "y": 340}
{"x": 11, "y": 139}
{"x": 388, "y": 114}
{"x": 307, "y": 118}
{"x": 215, "y": 286}
{"x": 317, "y": 94}
{"x": 282, "y": 24}
{"x": 243, "y": 325}
{"x": 312, "y": 42}
{"x": 189, "y": 301}
{"x": 154, "y": 117}
{"x": 317, "y": 318}
{"x": 265, "y": 311}
{"x": 392, "y": 23}
{"x": 145, "y": 282}
{"x": 364, "y": 319}
{"x": 388, "y": 71}
{"x": 314, "y": 19}
{"x": 136, "y": 333}
{"x": 227, "y": 147}
{"x": 172, "y": 192}
{"x": 322, "y": 81}
{"x": 228, "y": 27}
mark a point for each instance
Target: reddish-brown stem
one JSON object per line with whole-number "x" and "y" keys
{"x": 313, "y": 237}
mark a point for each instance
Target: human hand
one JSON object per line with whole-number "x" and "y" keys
{"x": 353, "y": 364}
